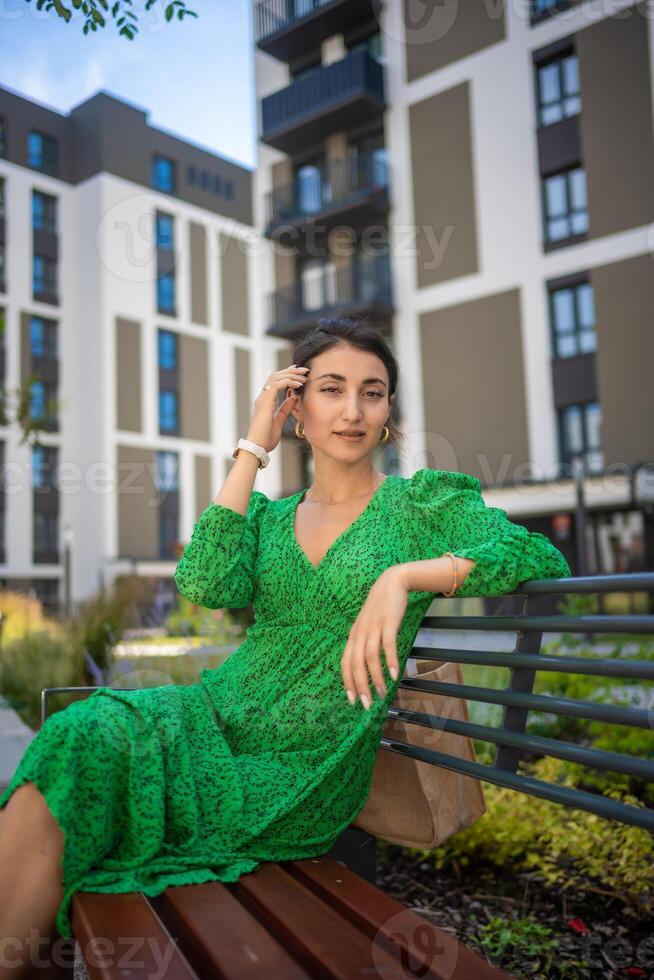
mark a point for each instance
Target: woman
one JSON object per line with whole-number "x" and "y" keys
{"x": 270, "y": 756}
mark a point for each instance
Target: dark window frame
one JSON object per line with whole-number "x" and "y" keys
{"x": 567, "y": 456}
{"x": 573, "y": 237}
{"x": 50, "y": 209}
{"x": 539, "y": 16}
{"x": 49, "y": 281}
{"x": 174, "y": 430}
{"x": 158, "y": 158}
{"x": 162, "y": 334}
{"x": 170, "y": 310}
{"x": 557, "y": 57}
{"x": 49, "y": 153}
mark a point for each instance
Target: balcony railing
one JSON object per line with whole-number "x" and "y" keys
{"x": 364, "y": 284}
{"x": 287, "y": 28}
{"x": 338, "y": 185}
{"x": 331, "y": 97}
{"x": 272, "y": 16}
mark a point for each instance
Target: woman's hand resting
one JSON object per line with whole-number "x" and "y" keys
{"x": 375, "y": 627}
{"x": 266, "y": 425}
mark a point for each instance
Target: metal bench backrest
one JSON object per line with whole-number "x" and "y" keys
{"x": 510, "y": 737}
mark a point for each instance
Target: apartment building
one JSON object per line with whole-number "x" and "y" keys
{"x": 490, "y": 166}
{"x": 127, "y": 297}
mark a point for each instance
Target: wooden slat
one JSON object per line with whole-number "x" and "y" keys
{"x": 121, "y": 936}
{"x": 328, "y": 944}
{"x": 221, "y": 938}
{"x": 378, "y": 914}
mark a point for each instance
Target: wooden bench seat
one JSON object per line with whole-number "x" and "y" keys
{"x": 291, "y": 920}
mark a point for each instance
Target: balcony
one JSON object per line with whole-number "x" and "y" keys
{"x": 330, "y": 98}
{"x": 288, "y": 28}
{"x": 362, "y": 287}
{"x": 353, "y": 189}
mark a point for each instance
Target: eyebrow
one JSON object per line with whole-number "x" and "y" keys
{"x": 341, "y": 377}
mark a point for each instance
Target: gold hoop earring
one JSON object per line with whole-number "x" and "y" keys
{"x": 387, "y": 434}
{"x": 299, "y": 434}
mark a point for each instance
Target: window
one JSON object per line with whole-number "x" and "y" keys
{"x": 558, "y": 89}
{"x": 166, "y": 293}
{"x": 165, "y": 231}
{"x": 319, "y": 284}
{"x": 167, "y": 473}
{"x": 37, "y": 400}
{"x": 2, "y": 197}
{"x": 3, "y": 136}
{"x": 44, "y": 211}
{"x": 44, "y": 459}
{"x": 168, "y": 533}
{"x": 2, "y": 268}
{"x": 42, "y": 400}
{"x": 543, "y": 8}
{"x": 167, "y": 350}
{"x": 580, "y": 434}
{"x": 43, "y": 337}
{"x": 572, "y": 312}
{"x": 163, "y": 174}
{"x": 372, "y": 44}
{"x": 309, "y": 185}
{"x": 42, "y": 152}
{"x": 565, "y": 205}
{"x": 45, "y": 532}
{"x": 44, "y": 275}
{"x": 303, "y": 7}
{"x": 168, "y": 411}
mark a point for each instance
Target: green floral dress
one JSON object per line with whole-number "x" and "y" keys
{"x": 263, "y": 759}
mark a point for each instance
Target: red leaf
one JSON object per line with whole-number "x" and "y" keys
{"x": 578, "y": 925}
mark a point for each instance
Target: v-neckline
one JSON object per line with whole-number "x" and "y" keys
{"x": 293, "y": 510}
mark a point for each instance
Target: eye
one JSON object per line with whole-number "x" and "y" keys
{"x": 376, "y": 394}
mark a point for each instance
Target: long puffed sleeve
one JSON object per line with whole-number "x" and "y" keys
{"x": 216, "y": 569}
{"x": 452, "y": 515}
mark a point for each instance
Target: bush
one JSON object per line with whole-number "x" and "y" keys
{"x": 567, "y": 847}
{"x": 35, "y": 661}
{"x": 22, "y": 614}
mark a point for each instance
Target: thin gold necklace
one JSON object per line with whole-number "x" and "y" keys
{"x": 332, "y": 503}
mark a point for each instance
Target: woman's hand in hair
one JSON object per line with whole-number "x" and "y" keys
{"x": 266, "y": 425}
{"x": 375, "y": 628}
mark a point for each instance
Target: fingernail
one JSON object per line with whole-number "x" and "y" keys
{"x": 365, "y": 701}
{"x": 393, "y": 673}
{"x": 350, "y": 697}
{"x": 381, "y": 691}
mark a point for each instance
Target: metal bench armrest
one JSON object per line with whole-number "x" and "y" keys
{"x": 47, "y": 691}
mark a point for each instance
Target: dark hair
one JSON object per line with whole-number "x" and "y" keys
{"x": 355, "y": 331}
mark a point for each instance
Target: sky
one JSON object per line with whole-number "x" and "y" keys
{"x": 193, "y": 77}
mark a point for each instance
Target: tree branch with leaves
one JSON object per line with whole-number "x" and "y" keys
{"x": 98, "y": 12}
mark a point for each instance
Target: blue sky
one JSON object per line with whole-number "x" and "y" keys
{"x": 193, "y": 77}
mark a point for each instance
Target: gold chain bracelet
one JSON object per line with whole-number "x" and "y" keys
{"x": 455, "y": 584}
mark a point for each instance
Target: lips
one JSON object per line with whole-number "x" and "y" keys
{"x": 347, "y": 433}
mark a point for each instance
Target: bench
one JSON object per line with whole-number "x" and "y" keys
{"x": 324, "y": 916}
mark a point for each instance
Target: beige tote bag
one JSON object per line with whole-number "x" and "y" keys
{"x": 414, "y": 803}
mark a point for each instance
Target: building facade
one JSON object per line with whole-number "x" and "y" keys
{"x": 128, "y": 304}
{"x": 490, "y": 167}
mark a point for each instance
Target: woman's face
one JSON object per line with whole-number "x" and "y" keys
{"x": 346, "y": 389}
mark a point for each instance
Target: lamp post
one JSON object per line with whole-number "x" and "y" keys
{"x": 579, "y": 467}
{"x": 68, "y": 541}
{"x": 642, "y": 499}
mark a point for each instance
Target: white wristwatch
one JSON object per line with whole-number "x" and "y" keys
{"x": 252, "y": 447}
